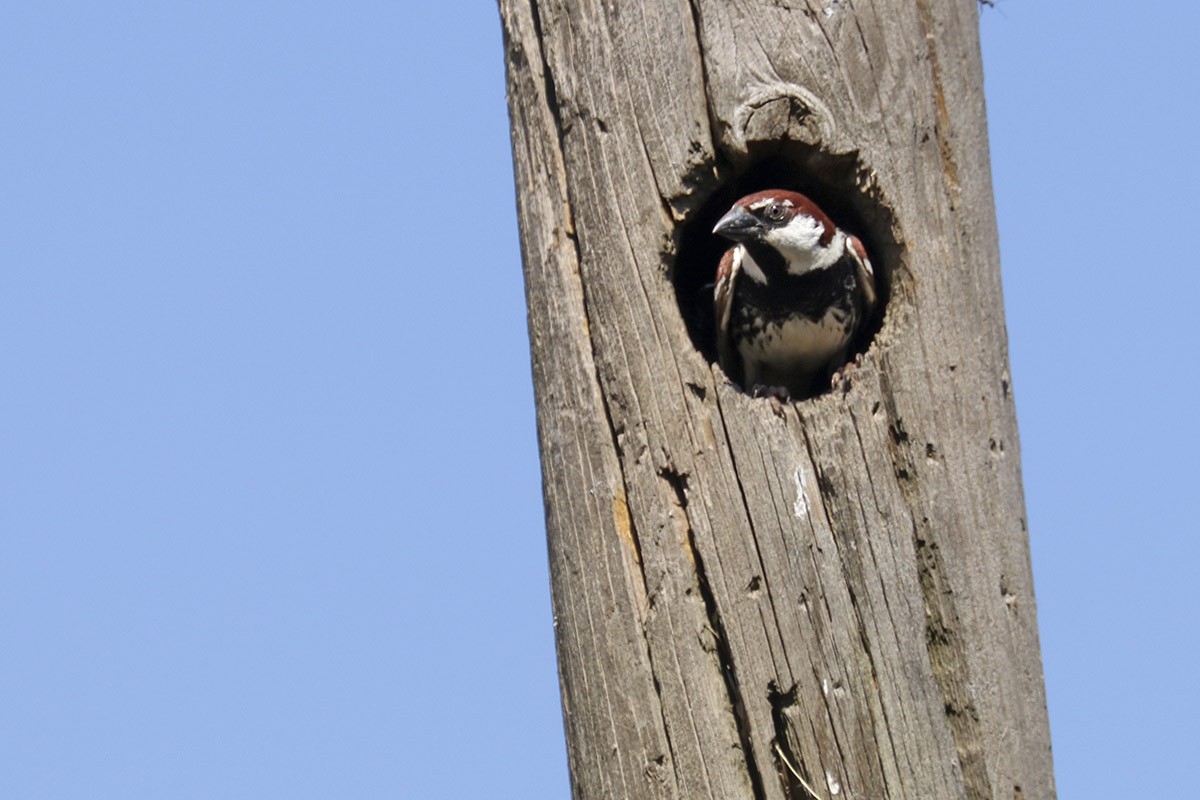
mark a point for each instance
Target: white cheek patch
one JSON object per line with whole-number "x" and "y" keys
{"x": 801, "y": 234}
{"x": 800, "y": 243}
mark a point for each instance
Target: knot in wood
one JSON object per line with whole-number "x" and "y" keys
{"x": 783, "y": 112}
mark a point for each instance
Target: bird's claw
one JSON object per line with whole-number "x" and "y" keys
{"x": 778, "y": 395}
{"x": 778, "y": 392}
{"x": 841, "y": 378}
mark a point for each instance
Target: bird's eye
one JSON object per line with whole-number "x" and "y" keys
{"x": 775, "y": 212}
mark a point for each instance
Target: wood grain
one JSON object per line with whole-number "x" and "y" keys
{"x": 843, "y": 590}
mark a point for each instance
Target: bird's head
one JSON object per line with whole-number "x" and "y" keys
{"x": 786, "y": 222}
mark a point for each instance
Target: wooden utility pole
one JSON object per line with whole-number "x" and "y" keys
{"x": 834, "y": 601}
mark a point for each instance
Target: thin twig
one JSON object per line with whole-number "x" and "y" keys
{"x": 799, "y": 778}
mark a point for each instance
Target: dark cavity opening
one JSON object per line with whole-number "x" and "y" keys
{"x": 837, "y": 184}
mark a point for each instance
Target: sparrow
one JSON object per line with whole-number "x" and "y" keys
{"x": 790, "y": 296}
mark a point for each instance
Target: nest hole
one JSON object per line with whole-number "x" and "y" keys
{"x": 839, "y": 184}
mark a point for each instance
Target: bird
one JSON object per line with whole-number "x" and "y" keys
{"x": 790, "y": 297}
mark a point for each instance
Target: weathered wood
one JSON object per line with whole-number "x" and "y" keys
{"x": 843, "y": 591}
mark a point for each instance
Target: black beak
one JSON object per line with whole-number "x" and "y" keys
{"x": 738, "y": 225}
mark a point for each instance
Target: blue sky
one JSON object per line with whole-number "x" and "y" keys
{"x": 271, "y": 521}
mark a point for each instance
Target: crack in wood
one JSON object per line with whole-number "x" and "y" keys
{"x": 796, "y": 786}
{"x": 698, "y": 25}
{"x": 678, "y": 483}
{"x": 943, "y": 640}
{"x": 942, "y": 128}
{"x": 547, "y": 76}
{"x": 657, "y": 763}
{"x": 865, "y": 639}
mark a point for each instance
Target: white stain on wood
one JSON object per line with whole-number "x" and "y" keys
{"x": 835, "y": 787}
{"x": 800, "y": 507}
